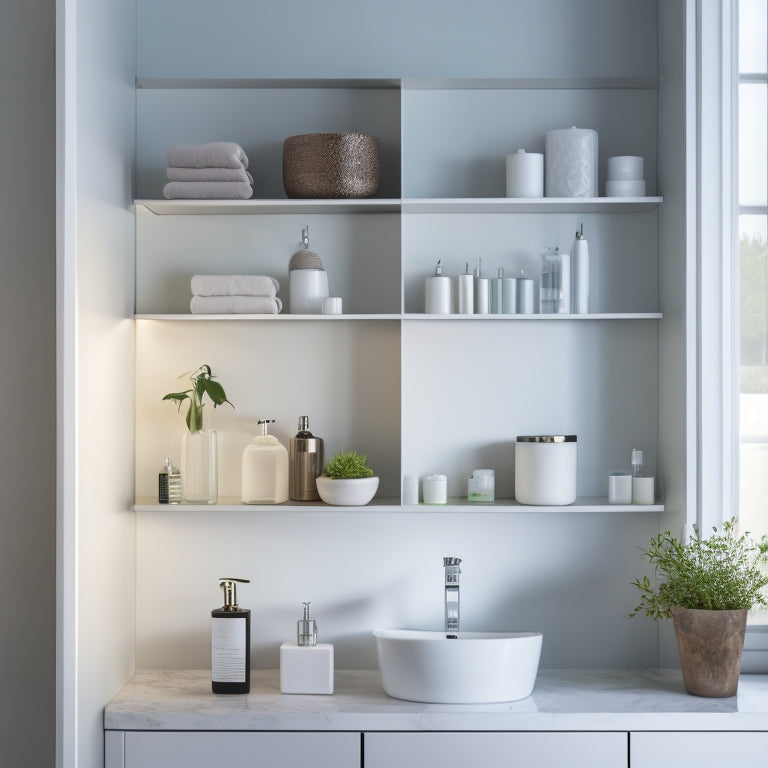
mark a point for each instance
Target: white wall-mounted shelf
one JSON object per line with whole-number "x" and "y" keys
{"x": 406, "y": 205}
{"x": 203, "y": 83}
{"x": 581, "y": 505}
{"x": 255, "y": 207}
{"x": 407, "y": 316}
{"x": 530, "y": 205}
{"x": 269, "y": 318}
{"x": 537, "y": 316}
{"x": 526, "y": 83}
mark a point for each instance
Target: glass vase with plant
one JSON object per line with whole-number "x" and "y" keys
{"x": 199, "y": 446}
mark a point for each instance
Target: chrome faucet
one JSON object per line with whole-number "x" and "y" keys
{"x": 452, "y": 571}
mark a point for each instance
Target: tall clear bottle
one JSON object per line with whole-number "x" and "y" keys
{"x": 306, "y": 463}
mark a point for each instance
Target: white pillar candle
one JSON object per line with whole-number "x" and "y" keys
{"x": 570, "y": 157}
{"x": 525, "y": 174}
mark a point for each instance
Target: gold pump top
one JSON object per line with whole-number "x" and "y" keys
{"x": 229, "y": 585}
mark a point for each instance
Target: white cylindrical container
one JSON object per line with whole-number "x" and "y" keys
{"x": 625, "y": 188}
{"x": 570, "y": 158}
{"x": 545, "y": 469}
{"x": 435, "y": 489}
{"x": 508, "y": 295}
{"x": 525, "y": 296}
{"x": 465, "y": 286}
{"x": 643, "y": 491}
{"x": 555, "y": 285}
{"x": 332, "y": 305}
{"x": 525, "y": 174}
{"x": 437, "y": 293}
{"x": 482, "y": 296}
{"x": 619, "y": 488}
{"x": 625, "y": 168}
{"x": 410, "y": 489}
{"x": 308, "y": 289}
{"x": 580, "y": 272}
{"x": 497, "y": 296}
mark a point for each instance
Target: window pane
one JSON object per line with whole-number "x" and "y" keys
{"x": 753, "y": 23}
{"x": 753, "y": 403}
{"x": 753, "y": 139}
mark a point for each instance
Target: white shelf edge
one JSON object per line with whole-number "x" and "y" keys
{"x": 530, "y": 205}
{"x": 252, "y": 207}
{"x": 586, "y": 504}
{"x": 524, "y": 83}
{"x": 266, "y": 318}
{"x": 415, "y": 316}
{"x": 203, "y": 83}
{"x": 535, "y": 317}
{"x": 261, "y": 206}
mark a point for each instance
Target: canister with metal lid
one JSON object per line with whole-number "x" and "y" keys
{"x": 545, "y": 469}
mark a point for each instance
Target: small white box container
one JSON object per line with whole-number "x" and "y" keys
{"x": 619, "y": 488}
{"x": 545, "y": 469}
{"x": 306, "y": 668}
{"x": 435, "y": 489}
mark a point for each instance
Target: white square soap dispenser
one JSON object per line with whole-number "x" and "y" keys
{"x": 306, "y": 666}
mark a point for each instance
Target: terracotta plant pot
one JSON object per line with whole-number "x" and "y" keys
{"x": 710, "y": 645}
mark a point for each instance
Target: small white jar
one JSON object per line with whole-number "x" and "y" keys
{"x": 545, "y": 469}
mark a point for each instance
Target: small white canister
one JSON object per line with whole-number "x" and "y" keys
{"x": 545, "y": 469}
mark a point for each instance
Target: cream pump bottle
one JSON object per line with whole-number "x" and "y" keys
{"x": 265, "y": 469}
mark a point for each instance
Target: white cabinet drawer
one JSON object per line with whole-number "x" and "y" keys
{"x": 162, "y": 749}
{"x": 702, "y": 749}
{"x": 496, "y": 750}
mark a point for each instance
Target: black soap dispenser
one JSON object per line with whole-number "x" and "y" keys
{"x": 231, "y": 643}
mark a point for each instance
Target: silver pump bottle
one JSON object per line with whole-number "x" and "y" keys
{"x": 306, "y": 463}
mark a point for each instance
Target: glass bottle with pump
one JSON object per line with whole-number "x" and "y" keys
{"x": 231, "y": 642}
{"x": 265, "y": 468}
{"x": 306, "y": 463}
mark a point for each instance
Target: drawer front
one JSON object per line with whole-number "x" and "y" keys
{"x": 191, "y": 749}
{"x": 496, "y": 750}
{"x": 703, "y": 749}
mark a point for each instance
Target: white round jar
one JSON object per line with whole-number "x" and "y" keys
{"x": 545, "y": 469}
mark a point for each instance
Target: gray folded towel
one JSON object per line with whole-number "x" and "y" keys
{"x": 234, "y": 285}
{"x": 214, "y": 154}
{"x": 208, "y": 174}
{"x": 235, "y": 305}
{"x": 208, "y": 190}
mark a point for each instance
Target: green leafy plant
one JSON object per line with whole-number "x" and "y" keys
{"x": 348, "y": 466}
{"x": 202, "y": 384}
{"x": 721, "y": 572}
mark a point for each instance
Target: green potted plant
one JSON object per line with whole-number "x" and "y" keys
{"x": 199, "y": 446}
{"x": 347, "y": 480}
{"x": 706, "y": 586}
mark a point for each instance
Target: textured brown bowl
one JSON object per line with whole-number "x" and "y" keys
{"x": 331, "y": 165}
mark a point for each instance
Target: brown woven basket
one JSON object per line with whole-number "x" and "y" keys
{"x": 331, "y": 165}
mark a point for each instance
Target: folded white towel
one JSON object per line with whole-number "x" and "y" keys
{"x": 208, "y": 174}
{"x": 214, "y": 154}
{"x": 234, "y": 285}
{"x": 235, "y": 305}
{"x": 208, "y": 190}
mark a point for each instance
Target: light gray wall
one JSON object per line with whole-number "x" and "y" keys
{"x": 28, "y": 402}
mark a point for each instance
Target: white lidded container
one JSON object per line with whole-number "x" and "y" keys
{"x": 545, "y": 469}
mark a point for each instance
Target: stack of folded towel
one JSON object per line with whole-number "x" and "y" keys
{"x": 213, "y": 171}
{"x": 235, "y": 295}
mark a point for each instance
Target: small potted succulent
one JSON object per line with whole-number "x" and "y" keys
{"x": 706, "y": 586}
{"x": 347, "y": 480}
{"x": 199, "y": 446}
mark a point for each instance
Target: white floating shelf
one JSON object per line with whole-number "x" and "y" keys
{"x": 528, "y": 83}
{"x": 283, "y": 318}
{"x": 536, "y": 317}
{"x": 254, "y": 207}
{"x": 203, "y": 83}
{"x": 585, "y": 504}
{"x": 530, "y": 204}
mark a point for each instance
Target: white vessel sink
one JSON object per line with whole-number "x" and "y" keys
{"x": 458, "y": 668}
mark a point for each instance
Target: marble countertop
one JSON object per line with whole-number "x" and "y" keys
{"x": 573, "y": 700}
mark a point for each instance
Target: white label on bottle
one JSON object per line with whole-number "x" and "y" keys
{"x": 228, "y": 650}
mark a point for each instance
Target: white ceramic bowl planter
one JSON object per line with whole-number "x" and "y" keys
{"x": 347, "y": 492}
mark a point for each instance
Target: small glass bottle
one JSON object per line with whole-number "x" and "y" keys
{"x": 169, "y": 484}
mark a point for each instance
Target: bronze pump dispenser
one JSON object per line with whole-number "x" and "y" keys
{"x": 305, "y": 463}
{"x": 231, "y": 642}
